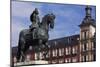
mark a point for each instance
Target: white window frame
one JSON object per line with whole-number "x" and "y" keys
{"x": 35, "y": 56}
{"x": 73, "y": 50}
{"x": 59, "y": 51}
{"x": 56, "y": 52}
{"x": 62, "y": 51}
{"x": 41, "y": 55}
{"x": 67, "y": 51}
{"x": 53, "y": 52}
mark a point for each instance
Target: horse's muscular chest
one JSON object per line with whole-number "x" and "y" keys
{"x": 28, "y": 37}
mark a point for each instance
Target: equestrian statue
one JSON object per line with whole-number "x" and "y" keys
{"x": 36, "y": 35}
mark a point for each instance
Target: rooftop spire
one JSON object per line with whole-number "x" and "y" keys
{"x": 88, "y": 17}
{"x": 88, "y": 10}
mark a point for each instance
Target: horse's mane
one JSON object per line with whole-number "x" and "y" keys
{"x": 44, "y": 18}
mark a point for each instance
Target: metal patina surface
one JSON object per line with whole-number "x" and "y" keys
{"x": 36, "y": 35}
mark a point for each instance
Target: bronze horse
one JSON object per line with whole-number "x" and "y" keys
{"x": 26, "y": 40}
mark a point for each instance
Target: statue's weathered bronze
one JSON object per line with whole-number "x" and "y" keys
{"x": 39, "y": 30}
{"x": 35, "y": 22}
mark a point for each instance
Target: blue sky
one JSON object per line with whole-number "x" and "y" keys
{"x": 68, "y": 17}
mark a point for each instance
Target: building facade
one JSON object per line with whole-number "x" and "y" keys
{"x": 75, "y": 48}
{"x": 87, "y": 37}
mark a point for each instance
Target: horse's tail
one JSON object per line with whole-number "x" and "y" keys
{"x": 18, "y": 53}
{"x": 19, "y": 48}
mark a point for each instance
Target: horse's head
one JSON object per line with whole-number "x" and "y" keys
{"x": 50, "y": 19}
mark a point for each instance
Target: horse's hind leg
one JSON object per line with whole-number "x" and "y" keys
{"x": 22, "y": 57}
{"x": 24, "y": 52}
{"x": 47, "y": 49}
{"x": 18, "y": 52}
{"x": 18, "y": 55}
{"x": 39, "y": 49}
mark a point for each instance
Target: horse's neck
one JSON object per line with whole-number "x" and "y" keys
{"x": 44, "y": 25}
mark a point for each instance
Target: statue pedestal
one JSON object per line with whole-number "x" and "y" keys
{"x": 28, "y": 63}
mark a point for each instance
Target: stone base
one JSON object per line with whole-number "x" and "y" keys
{"x": 27, "y": 63}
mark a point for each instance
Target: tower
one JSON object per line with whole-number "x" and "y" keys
{"x": 87, "y": 34}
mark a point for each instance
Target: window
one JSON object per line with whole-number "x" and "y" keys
{"x": 76, "y": 49}
{"x": 68, "y": 40}
{"x": 74, "y": 59}
{"x": 55, "y": 42}
{"x": 27, "y": 57}
{"x": 35, "y": 56}
{"x": 90, "y": 57}
{"x": 73, "y": 50}
{"x": 94, "y": 57}
{"x": 59, "y": 52}
{"x": 93, "y": 45}
{"x": 82, "y": 58}
{"x": 62, "y": 51}
{"x": 84, "y": 35}
{"x": 84, "y": 47}
{"x": 40, "y": 55}
{"x": 69, "y": 50}
{"x": 15, "y": 59}
{"x": 55, "y": 52}
{"x": 87, "y": 46}
{"x": 78, "y": 38}
{"x": 85, "y": 58}
{"x": 61, "y": 60}
{"x": 66, "y": 51}
{"x": 67, "y": 60}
